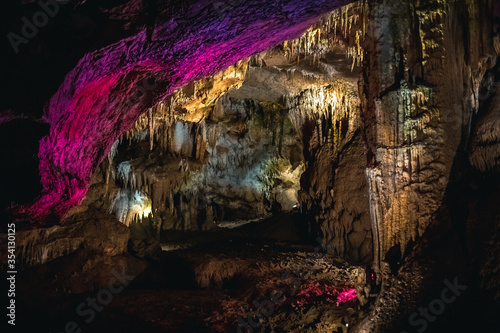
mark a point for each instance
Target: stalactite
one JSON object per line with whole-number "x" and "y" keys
{"x": 331, "y": 107}
{"x": 151, "y": 129}
{"x": 345, "y": 26}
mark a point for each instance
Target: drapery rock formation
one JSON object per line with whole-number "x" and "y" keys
{"x": 415, "y": 113}
{"x": 418, "y": 122}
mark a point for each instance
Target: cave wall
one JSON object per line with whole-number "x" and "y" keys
{"x": 421, "y": 95}
{"x": 484, "y": 145}
{"x": 335, "y": 195}
{"x": 423, "y": 64}
{"x": 423, "y": 67}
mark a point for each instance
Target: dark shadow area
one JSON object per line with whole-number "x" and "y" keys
{"x": 19, "y": 177}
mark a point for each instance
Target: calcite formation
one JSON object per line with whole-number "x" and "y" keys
{"x": 415, "y": 117}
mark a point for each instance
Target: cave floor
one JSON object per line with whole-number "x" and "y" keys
{"x": 209, "y": 289}
{"x": 215, "y": 284}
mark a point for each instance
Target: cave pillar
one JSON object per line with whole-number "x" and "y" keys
{"x": 423, "y": 65}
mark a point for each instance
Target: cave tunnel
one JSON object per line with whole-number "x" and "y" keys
{"x": 251, "y": 166}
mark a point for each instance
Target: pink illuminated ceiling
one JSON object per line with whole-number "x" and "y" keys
{"x": 109, "y": 88}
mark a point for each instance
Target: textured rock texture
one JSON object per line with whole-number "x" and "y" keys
{"x": 485, "y": 145}
{"x": 420, "y": 97}
{"x": 102, "y": 234}
{"x": 419, "y": 94}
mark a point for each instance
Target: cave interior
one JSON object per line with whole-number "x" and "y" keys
{"x": 251, "y": 166}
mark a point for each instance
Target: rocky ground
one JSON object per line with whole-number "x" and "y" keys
{"x": 273, "y": 281}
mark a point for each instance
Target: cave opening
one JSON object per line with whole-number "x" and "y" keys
{"x": 234, "y": 170}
